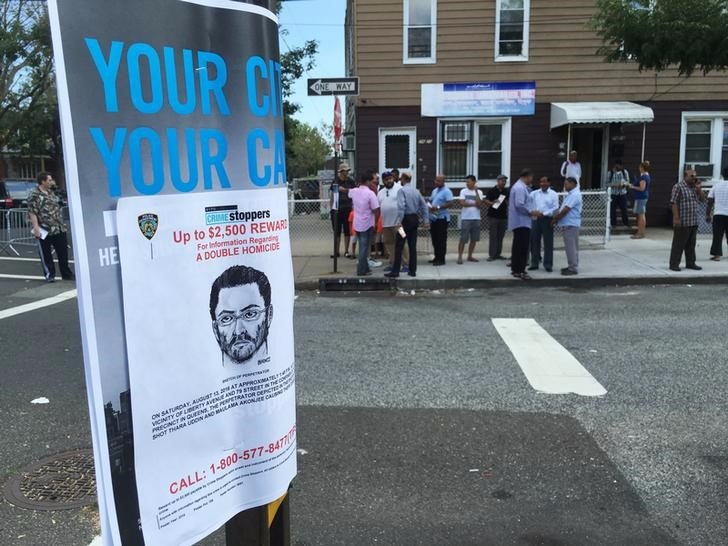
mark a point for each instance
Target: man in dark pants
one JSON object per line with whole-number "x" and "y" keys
{"x": 46, "y": 217}
{"x": 440, "y": 201}
{"x": 519, "y": 222}
{"x": 496, "y": 199}
{"x": 544, "y": 203}
{"x": 409, "y": 204}
{"x": 717, "y": 214}
{"x": 340, "y": 203}
{"x": 685, "y": 199}
{"x": 618, "y": 181}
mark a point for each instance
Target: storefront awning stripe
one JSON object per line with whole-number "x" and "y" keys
{"x": 565, "y": 113}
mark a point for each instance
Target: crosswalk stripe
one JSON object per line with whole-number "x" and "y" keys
{"x": 63, "y": 296}
{"x": 22, "y": 277}
{"x": 21, "y": 259}
{"x": 547, "y": 365}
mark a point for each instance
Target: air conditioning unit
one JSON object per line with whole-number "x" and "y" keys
{"x": 456, "y": 132}
{"x": 703, "y": 170}
{"x": 348, "y": 142}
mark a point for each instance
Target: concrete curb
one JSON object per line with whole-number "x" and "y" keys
{"x": 332, "y": 285}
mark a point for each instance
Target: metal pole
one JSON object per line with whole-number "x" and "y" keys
{"x": 608, "y": 230}
{"x": 568, "y": 143}
{"x": 258, "y": 527}
{"x": 644, "y": 131}
{"x": 337, "y": 226}
{"x": 248, "y": 528}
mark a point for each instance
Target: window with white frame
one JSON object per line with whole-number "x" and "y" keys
{"x": 476, "y": 147}
{"x": 420, "y": 19}
{"x": 511, "y": 30}
{"x": 704, "y": 145}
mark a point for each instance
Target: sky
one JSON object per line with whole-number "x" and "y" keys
{"x": 321, "y": 20}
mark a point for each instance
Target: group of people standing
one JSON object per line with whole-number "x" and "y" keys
{"x": 397, "y": 209}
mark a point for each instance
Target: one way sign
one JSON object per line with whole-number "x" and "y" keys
{"x": 333, "y": 86}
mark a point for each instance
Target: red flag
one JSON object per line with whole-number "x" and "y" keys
{"x": 337, "y": 125}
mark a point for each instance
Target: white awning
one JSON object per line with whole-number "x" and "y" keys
{"x": 565, "y": 113}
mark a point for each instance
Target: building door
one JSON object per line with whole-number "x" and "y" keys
{"x": 591, "y": 144}
{"x": 397, "y": 150}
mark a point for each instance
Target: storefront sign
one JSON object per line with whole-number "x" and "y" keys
{"x": 158, "y": 98}
{"x": 473, "y": 99}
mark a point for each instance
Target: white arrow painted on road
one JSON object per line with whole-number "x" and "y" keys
{"x": 547, "y": 365}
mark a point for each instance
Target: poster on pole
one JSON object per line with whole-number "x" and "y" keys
{"x": 171, "y": 97}
{"x": 208, "y": 285}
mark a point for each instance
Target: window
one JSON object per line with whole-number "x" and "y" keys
{"x": 697, "y": 141}
{"x": 724, "y": 155}
{"x": 420, "y": 17}
{"x": 474, "y": 147}
{"x": 704, "y": 143}
{"x": 490, "y": 151}
{"x": 511, "y": 30}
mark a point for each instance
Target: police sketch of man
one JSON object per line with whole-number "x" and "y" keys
{"x": 241, "y": 313}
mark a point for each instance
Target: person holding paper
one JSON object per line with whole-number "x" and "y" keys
{"x": 470, "y": 199}
{"x": 388, "y": 205}
{"x": 410, "y": 206}
{"x": 46, "y": 217}
{"x": 440, "y": 201}
{"x": 496, "y": 199}
{"x": 519, "y": 222}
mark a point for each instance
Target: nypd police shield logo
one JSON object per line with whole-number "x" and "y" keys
{"x": 148, "y": 224}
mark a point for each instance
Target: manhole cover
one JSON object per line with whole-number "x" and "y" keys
{"x": 60, "y": 482}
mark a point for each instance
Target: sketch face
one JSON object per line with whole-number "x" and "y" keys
{"x": 241, "y": 321}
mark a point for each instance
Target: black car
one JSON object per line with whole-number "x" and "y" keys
{"x": 14, "y": 192}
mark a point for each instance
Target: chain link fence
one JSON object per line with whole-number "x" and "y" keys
{"x": 312, "y": 235}
{"x": 311, "y": 231}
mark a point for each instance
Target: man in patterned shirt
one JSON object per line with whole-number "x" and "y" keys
{"x": 685, "y": 200}
{"x": 44, "y": 209}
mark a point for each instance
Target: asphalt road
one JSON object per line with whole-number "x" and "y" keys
{"x": 417, "y": 426}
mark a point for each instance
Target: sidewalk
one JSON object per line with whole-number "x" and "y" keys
{"x": 623, "y": 261}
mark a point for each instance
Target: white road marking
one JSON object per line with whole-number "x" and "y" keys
{"x": 20, "y": 259}
{"x": 96, "y": 541}
{"x": 63, "y": 296}
{"x": 547, "y": 365}
{"x": 22, "y": 277}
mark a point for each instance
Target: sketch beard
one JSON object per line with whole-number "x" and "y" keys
{"x": 241, "y": 347}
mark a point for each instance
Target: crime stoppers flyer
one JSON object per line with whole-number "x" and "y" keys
{"x": 208, "y": 309}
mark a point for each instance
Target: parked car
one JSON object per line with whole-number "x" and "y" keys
{"x": 14, "y": 192}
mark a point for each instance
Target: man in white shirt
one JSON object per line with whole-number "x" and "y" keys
{"x": 572, "y": 167}
{"x": 388, "y": 209}
{"x": 470, "y": 201}
{"x": 718, "y": 209}
{"x": 544, "y": 202}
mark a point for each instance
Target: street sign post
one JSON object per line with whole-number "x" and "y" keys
{"x": 318, "y": 87}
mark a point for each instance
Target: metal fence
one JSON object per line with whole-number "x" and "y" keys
{"x": 16, "y": 230}
{"x": 311, "y": 233}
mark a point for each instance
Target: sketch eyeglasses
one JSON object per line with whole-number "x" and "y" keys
{"x": 249, "y": 314}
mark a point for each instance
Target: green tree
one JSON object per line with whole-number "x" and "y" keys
{"x": 659, "y": 34}
{"x": 26, "y": 63}
{"x": 308, "y": 149}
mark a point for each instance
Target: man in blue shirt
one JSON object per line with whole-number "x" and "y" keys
{"x": 544, "y": 204}
{"x": 440, "y": 201}
{"x": 519, "y": 222}
{"x": 569, "y": 220}
{"x": 410, "y": 206}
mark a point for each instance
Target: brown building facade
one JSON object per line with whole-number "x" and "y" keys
{"x": 409, "y": 53}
